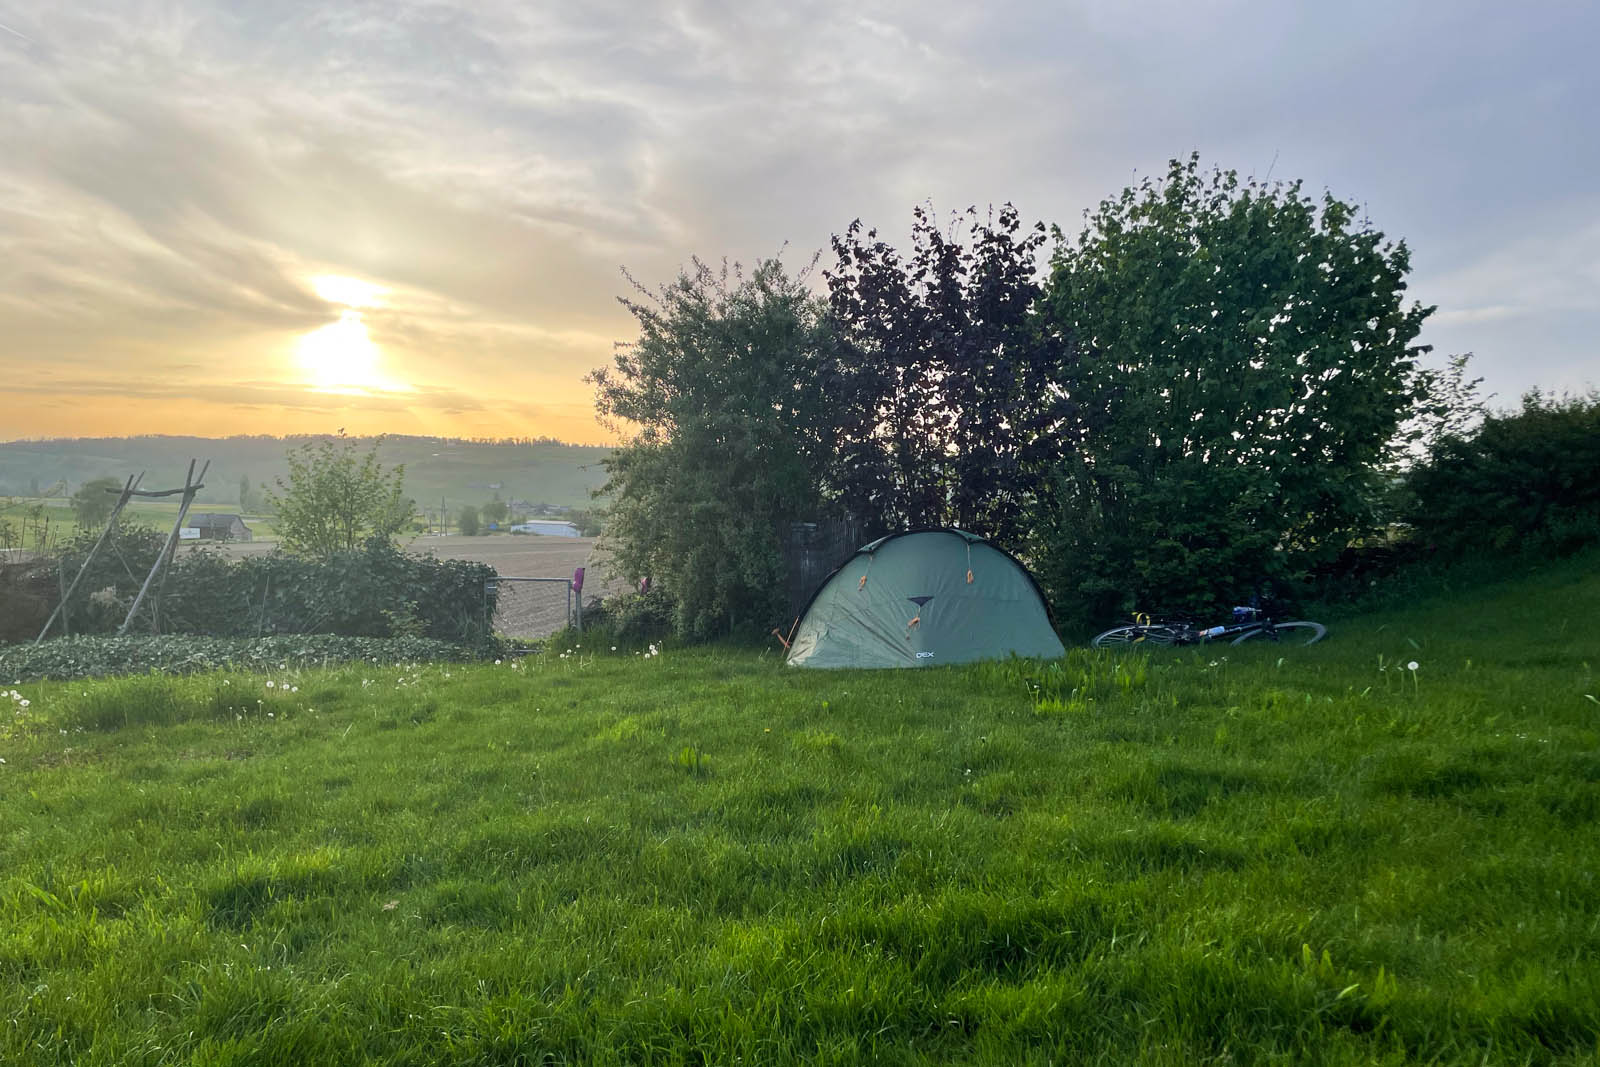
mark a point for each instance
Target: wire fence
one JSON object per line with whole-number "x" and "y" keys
{"x": 532, "y": 608}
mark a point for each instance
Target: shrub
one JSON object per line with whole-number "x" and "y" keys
{"x": 633, "y": 618}
{"x": 1527, "y": 480}
{"x": 376, "y": 591}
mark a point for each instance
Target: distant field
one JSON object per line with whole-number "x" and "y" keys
{"x": 460, "y": 472}
{"x": 157, "y": 513}
{"x": 1382, "y": 849}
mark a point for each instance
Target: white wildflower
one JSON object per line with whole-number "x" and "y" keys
{"x": 1413, "y": 665}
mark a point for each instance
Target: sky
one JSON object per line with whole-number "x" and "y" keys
{"x": 270, "y": 216}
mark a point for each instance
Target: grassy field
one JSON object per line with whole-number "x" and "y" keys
{"x": 46, "y": 524}
{"x": 1235, "y": 855}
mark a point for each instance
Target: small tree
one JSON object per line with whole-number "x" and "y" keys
{"x": 725, "y": 389}
{"x": 495, "y": 511}
{"x": 93, "y": 501}
{"x": 467, "y": 521}
{"x": 337, "y": 498}
{"x": 943, "y": 386}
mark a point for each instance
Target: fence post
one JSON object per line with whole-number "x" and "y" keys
{"x": 577, "y": 590}
{"x": 66, "y": 611}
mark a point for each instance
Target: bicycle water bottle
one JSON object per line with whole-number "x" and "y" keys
{"x": 1215, "y": 631}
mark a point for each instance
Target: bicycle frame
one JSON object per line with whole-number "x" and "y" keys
{"x": 1185, "y": 633}
{"x": 1248, "y": 623}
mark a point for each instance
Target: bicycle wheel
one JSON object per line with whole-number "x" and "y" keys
{"x": 1134, "y": 635}
{"x": 1287, "y": 633}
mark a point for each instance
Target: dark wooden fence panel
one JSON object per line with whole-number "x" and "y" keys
{"x": 813, "y": 550}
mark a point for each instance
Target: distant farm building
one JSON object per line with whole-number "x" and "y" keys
{"x": 210, "y": 526}
{"x": 549, "y": 528}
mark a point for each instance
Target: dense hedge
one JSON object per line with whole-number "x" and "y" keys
{"x": 94, "y": 656}
{"x": 375, "y": 592}
{"x": 1527, "y": 480}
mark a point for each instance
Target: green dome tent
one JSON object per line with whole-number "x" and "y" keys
{"x": 923, "y": 598}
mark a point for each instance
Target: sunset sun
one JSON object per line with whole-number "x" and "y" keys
{"x": 341, "y": 356}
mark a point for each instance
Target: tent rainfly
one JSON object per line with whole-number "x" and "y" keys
{"x": 922, "y": 598}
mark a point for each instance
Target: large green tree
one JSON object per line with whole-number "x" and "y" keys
{"x": 337, "y": 497}
{"x": 1245, "y": 355}
{"x": 731, "y": 431}
{"x": 93, "y": 501}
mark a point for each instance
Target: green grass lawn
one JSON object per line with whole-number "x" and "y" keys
{"x": 1243, "y": 855}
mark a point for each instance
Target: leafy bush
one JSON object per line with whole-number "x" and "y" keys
{"x": 1244, "y": 357}
{"x": 95, "y": 656}
{"x": 336, "y": 500}
{"x": 632, "y": 618}
{"x": 376, "y": 591}
{"x": 727, "y": 386}
{"x": 1525, "y": 480}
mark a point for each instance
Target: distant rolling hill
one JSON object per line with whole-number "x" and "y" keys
{"x": 461, "y": 472}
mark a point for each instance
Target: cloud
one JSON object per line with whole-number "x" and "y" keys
{"x": 176, "y": 171}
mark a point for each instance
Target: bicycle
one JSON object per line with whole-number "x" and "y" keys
{"x": 1248, "y": 624}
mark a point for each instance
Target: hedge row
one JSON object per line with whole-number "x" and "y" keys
{"x": 375, "y": 592}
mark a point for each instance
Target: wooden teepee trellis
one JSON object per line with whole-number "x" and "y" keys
{"x": 191, "y": 486}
